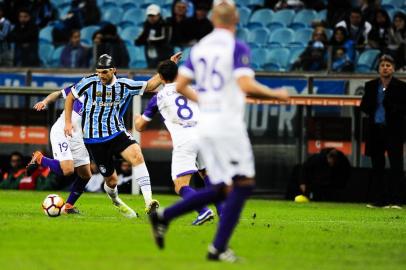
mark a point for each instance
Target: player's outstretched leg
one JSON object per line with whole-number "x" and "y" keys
{"x": 219, "y": 205}
{"x": 233, "y": 206}
{"x": 78, "y": 187}
{"x": 39, "y": 159}
{"x": 123, "y": 208}
{"x": 161, "y": 219}
{"x": 205, "y": 214}
{"x": 141, "y": 175}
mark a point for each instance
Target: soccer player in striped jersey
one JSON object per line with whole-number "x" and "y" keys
{"x": 70, "y": 154}
{"x": 106, "y": 98}
{"x": 180, "y": 117}
{"x": 219, "y": 64}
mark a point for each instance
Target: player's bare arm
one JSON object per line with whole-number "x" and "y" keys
{"x": 183, "y": 88}
{"x": 42, "y": 105}
{"x": 253, "y": 88}
{"x": 140, "y": 123}
{"x": 68, "y": 114}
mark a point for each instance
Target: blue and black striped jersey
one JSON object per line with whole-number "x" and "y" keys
{"x": 105, "y": 105}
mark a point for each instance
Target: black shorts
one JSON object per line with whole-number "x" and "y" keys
{"x": 103, "y": 153}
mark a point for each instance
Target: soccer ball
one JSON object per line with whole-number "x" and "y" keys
{"x": 52, "y": 205}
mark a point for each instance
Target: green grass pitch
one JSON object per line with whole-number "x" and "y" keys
{"x": 284, "y": 235}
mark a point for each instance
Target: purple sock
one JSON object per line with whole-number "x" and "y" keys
{"x": 195, "y": 201}
{"x": 53, "y": 164}
{"x": 219, "y": 205}
{"x": 76, "y": 190}
{"x": 233, "y": 206}
{"x": 186, "y": 192}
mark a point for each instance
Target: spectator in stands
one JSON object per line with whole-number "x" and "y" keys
{"x": 336, "y": 11}
{"x": 124, "y": 177}
{"x": 75, "y": 55}
{"x": 368, "y": 9}
{"x": 292, "y": 4}
{"x": 73, "y": 20}
{"x": 314, "y": 57}
{"x": 12, "y": 177}
{"x": 379, "y": 35}
{"x": 199, "y": 25}
{"x": 155, "y": 37}
{"x": 6, "y": 54}
{"x": 397, "y": 40}
{"x": 97, "y": 39}
{"x": 357, "y": 28}
{"x": 44, "y": 12}
{"x": 113, "y": 45}
{"x": 315, "y": 4}
{"x": 90, "y": 12}
{"x": 178, "y": 25}
{"x": 13, "y": 7}
{"x": 25, "y": 37}
{"x": 384, "y": 102}
{"x": 321, "y": 177}
{"x": 343, "y": 50}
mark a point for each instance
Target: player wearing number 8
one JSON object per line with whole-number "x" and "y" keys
{"x": 180, "y": 117}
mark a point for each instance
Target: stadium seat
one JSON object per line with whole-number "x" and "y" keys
{"x": 277, "y": 59}
{"x": 45, "y": 53}
{"x": 127, "y": 4}
{"x": 393, "y": 3}
{"x": 295, "y": 52}
{"x": 366, "y": 62}
{"x": 112, "y": 15}
{"x": 281, "y": 37}
{"x": 137, "y": 57}
{"x": 166, "y": 12}
{"x": 259, "y": 56}
{"x": 255, "y": 3}
{"x": 258, "y": 37}
{"x": 129, "y": 34}
{"x": 55, "y": 58}
{"x": 107, "y": 4}
{"x": 243, "y": 34}
{"x": 303, "y": 19}
{"x": 245, "y": 14}
{"x": 322, "y": 15}
{"x": 146, "y": 3}
{"x": 302, "y": 37}
{"x": 284, "y": 17}
{"x": 261, "y": 18}
{"x": 185, "y": 54}
{"x": 134, "y": 15}
{"x": 329, "y": 33}
{"x": 45, "y": 35}
{"x": 86, "y": 34}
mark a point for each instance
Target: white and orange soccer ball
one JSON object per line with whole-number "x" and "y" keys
{"x": 52, "y": 205}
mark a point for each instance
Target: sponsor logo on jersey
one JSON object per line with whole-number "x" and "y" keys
{"x": 106, "y": 104}
{"x": 98, "y": 94}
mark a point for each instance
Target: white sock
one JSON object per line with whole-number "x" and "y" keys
{"x": 111, "y": 192}
{"x": 142, "y": 176}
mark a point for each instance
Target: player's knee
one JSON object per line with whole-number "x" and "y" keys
{"x": 244, "y": 182}
{"x": 68, "y": 171}
{"x": 179, "y": 186}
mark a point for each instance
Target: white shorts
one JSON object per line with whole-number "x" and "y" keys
{"x": 186, "y": 160}
{"x": 227, "y": 157}
{"x": 64, "y": 148}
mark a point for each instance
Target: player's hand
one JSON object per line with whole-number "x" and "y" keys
{"x": 40, "y": 106}
{"x": 282, "y": 94}
{"x": 176, "y": 57}
{"x": 68, "y": 129}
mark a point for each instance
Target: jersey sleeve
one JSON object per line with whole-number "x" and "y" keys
{"x": 67, "y": 90}
{"x": 187, "y": 68}
{"x": 151, "y": 109}
{"x": 83, "y": 86}
{"x": 134, "y": 87}
{"x": 242, "y": 60}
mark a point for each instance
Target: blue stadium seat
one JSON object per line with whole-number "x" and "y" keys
{"x": 137, "y": 56}
{"x": 243, "y": 34}
{"x": 277, "y": 59}
{"x": 281, "y": 37}
{"x": 284, "y": 17}
{"x": 275, "y": 25}
{"x": 146, "y": 3}
{"x": 135, "y": 15}
{"x": 127, "y": 4}
{"x": 394, "y": 3}
{"x": 63, "y": 11}
{"x": 255, "y": 3}
{"x": 185, "y": 54}
{"x": 55, "y": 58}
{"x": 166, "y": 12}
{"x": 303, "y": 18}
{"x": 112, "y": 15}
{"x": 45, "y": 52}
{"x": 366, "y": 62}
{"x": 86, "y": 34}
{"x": 302, "y": 37}
{"x": 258, "y": 58}
{"x": 322, "y": 15}
{"x": 258, "y": 37}
{"x": 245, "y": 14}
{"x": 295, "y": 52}
{"x": 329, "y": 33}
{"x": 107, "y": 4}
{"x": 45, "y": 34}
{"x": 129, "y": 34}
{"x": 261, "y": 18}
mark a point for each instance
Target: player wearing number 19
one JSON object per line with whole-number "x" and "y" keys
{"x": 220, "y": 66}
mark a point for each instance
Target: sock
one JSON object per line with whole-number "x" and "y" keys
{"x": 78, "y": 187}
{"x": 53, "y": 164}
{"x": 111, "y": 192}
{"x": 187, "y": 191}
{"x": 142, "y": 176}
{"x": 233, "y": 206}
{"x": 219, "y": 205}
{"x": 195, "y": 201}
